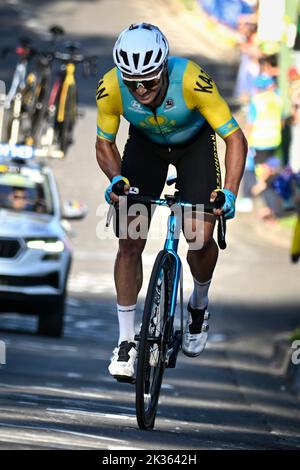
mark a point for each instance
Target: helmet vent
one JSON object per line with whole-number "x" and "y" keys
{"x": 136, "y": 58}
{"x": 124, "y": 56}
{"x": 148, "y": 57}
{"x": 147, "y": 26}
{"x": 158, "y": 56}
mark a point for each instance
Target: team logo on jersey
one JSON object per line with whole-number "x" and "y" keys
{"x": 100, "y": 91}
{"x": 169, "y": 103}
{"x": 205, "y": 83}
{"x": 136, "y": 105}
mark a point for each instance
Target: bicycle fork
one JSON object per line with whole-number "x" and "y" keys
{"x": 176, "y": 337}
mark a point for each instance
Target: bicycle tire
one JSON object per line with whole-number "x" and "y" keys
{"x": 22, "y": 120}
{"x": 39, "y": 107}
{"x": 149, "y": 377}
{"x": 67, "y": 126}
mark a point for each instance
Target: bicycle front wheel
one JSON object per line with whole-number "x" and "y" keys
{"x": 155, "y": 336}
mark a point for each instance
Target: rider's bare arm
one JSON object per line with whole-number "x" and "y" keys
{"x": 108, "y": 157}
{"x": 202, "y": 93}
{"x": 235, "y": 157}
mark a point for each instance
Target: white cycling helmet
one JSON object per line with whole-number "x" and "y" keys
{"x": 140, "y": 49}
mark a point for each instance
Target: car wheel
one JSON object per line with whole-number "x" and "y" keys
{"x": 51, "y": 321}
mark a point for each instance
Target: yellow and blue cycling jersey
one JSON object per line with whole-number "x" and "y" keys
{"x": 192, "y": 98}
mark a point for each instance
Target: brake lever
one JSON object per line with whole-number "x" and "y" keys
{"x": 219, "y": 202}
{"x": 112, "y": 206}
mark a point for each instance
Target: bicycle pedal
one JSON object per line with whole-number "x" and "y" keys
{"x": 124, "y": 379}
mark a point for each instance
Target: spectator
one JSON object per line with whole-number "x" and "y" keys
{"x": 248, "y": 68}
{"x": 294, "y": 92}
{"x": 264, "y": 132}
{"x": 269, "y": 65}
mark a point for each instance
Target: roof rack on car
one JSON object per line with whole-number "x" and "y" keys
{"x": 25, "y": 153}
{"x": 20, "y": 153}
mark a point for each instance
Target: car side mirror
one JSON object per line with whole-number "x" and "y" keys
{"x": 74, "y": 210}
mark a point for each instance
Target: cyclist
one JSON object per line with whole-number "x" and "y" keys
{"x": 174, "y": 109}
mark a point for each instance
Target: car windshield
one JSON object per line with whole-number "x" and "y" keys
{"x": 24, "y": 189}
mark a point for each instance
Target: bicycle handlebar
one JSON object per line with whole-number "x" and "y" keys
{"x": 89, "y": 62}
{"x": 22, "y": 51}
{"x": 169, "y": 201}
{"x": 29, "y": 52}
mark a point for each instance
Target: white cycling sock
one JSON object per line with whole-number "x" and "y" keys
{"x": 199, "y": 297}
{"x": 126, "y": 322}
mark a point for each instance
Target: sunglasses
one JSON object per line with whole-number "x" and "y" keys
{"x": 16, "y": 196}
{"x": 148, "y": 84}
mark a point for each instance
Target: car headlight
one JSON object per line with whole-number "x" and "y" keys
{"x": 50, "y": 245}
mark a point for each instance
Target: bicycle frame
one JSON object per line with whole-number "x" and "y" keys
{"x": 172, "y": 240}
{"x": 69, "y": 80}
{"x": 57, "y": 100}
{"x": 18, "y": 81}
{"x": 171, "y": 246}
{"x": 14, "y": 96}
{"x": 159, "y": 342}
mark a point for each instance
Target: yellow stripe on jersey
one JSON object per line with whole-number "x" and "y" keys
{"x": 109, "y": 103}
{"x": 200, "y": 92}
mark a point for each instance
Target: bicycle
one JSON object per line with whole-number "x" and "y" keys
{"x": 18, "y": 99}
{"x": 158, "y": 342}
{"x": 42, "y": 84}
{"x": 62, "y": 108}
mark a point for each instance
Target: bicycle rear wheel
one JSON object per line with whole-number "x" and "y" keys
{"x": 39, "y": 107}
{"x": 66, "y": 127}
{"x": 155, "y": 336}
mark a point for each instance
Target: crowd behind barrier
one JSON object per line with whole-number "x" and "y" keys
{"x": 227, "y": 11}
{"x": 273, "y": 162}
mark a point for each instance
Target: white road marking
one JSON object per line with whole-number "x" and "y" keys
{"x": 74, "y": 375}
{"x": 62, "y": 391}
{"x": 89, "y": 413}
{"x": 167, "y": 386}
{"x": 37, "y": 436}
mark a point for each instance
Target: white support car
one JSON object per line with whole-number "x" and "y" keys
{"x": 35, "y": 251}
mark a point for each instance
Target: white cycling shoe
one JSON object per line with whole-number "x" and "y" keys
{"x": 195, "y": 334}
{"x": 122, "y": 361}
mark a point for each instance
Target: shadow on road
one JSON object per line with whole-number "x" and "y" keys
{"x": 206, "y": 400}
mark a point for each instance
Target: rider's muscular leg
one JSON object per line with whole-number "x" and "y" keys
{"x": 203, "y": 250}
{"x": 202, "y": 258}
{"x": 128, "y": 270}
{"x": 202, "y": 262}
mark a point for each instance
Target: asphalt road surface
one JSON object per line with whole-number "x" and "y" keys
{"x": 57, "y": 394}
